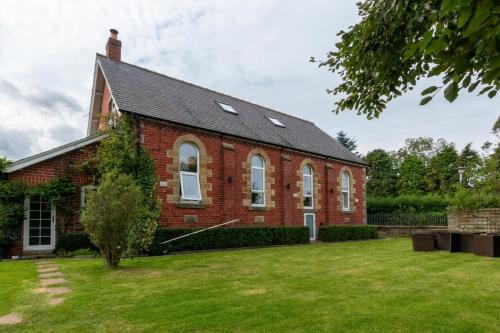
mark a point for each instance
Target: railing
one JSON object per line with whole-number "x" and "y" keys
{"x": 411, "y": 219}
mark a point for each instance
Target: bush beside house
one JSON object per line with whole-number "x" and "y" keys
{"x": 345, "y": 233}
{"x": 225, "y": 238}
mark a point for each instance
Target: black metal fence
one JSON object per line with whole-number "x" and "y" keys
{"x": 411, "y": 219}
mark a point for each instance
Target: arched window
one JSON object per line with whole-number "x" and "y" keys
{"x": 189, "y": 171}
{"x": 308, "y": 186}
{"x": 346, "y": 195}
{"x": 258, "y": 181}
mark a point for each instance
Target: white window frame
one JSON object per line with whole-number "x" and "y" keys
{"x": 304, "y": 185}
{"x": 347, "y": 190}
{"x": 226, "y": 107}
{"x": 314, "y": 224}
{"x": 263, "y": 191}
{"x": 276, "y": 121}
{"x": 83, "y": 194}
{"x": 26, "y": 229}
{"x": 189, "y": 173}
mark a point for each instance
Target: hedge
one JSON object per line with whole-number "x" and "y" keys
{"x": 472, "y": 201}
{"x": 225, "y": 238}
{"x": 344, "y": 233}
{"x": 407, "y": 204}
{"x": 73, "y": 242}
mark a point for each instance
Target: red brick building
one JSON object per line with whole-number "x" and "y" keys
{"x": 217, "y": 157}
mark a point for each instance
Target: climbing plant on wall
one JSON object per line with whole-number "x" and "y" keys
{"x": 11, "y": 213}
{"x": 121, "y": 152}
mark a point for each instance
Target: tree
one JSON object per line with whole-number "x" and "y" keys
{"x": 109, "y": 214}
{"x": 442, "y": 170}
{"x": 4, "y": 162}
{"x": 397, "y": 43}
{"x": 381, "y": 174}
{"x": 423, "y": 148}
{"x": 121, "y": 152}
{"x": 411, "y": 175}
{"x": 346, "y": 141}
{"x": 470, "y": 160}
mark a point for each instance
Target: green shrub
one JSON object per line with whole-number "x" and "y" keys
{"x": 73, "y": 242}
{"x": 109, "y": 213}
{"x": 407, "y": 204}
{"x": 344, "y": 233}
{"x": 466, "y": 200}
{"x": 80, "y": 252}
{"x": 224, "y": 238}
{"x": 11, "y": 213}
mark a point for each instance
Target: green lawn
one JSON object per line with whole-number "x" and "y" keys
{"x": 369, "y": 286}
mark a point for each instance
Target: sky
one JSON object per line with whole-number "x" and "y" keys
{"x": 255, "y": 50}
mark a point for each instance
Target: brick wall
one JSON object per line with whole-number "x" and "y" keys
{"x": 484, "y": 220}
{"x": 45, "y": 171}
{"x": 228, "y": 171}
{"x": 224, "y": 178}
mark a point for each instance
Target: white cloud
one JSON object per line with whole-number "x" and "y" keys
{"x": 256, "y": 50}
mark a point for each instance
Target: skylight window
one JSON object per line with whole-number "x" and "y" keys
{"x": 227, "y": 108}
{"x": 276, "y": 122}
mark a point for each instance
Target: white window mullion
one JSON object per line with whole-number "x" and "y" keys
{"x": 189, "y": 172}
{"x": 258, "y": 167}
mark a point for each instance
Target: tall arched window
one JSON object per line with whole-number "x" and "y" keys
{"x": 189, "y": 171}
{"x": 258, "y": 181}
{"x": 308, "y": 186}
{"x": 346, "y": 195}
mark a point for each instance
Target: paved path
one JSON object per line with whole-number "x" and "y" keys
{"x": 52, "y": 282}
{"x": 10, "y": 319}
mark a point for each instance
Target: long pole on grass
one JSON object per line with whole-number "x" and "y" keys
{"x": 198, "y": 231}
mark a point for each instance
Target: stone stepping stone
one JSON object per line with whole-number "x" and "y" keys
{"x": 58, "y": 291}
{"x": 56, "y": 301}
{"x": 48, "y": 269}
{"x": 51, "y": 282}
{"x": 39, "y": 290}
{"x": 50, "y": 275}
{"x": 10, "y": 319}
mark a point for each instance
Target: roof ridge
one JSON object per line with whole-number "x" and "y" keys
{"x": 198, "y": 86}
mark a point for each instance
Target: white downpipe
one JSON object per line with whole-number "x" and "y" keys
{"x": 198, "y": 231}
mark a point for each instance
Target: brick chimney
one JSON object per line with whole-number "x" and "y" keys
{"x": 114, "y": 46}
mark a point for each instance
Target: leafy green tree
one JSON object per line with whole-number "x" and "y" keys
{"x": 4, "y": 162}
{"x": 423, "y": 148}
{"x": 470, "y": 160}
{"x": 397, "y": 43}
{"x": 122, "y": 153}
{"x": 411, "y": 176}
{"x": 381, "y": 174}
{"x": 346, "y": 141}
{"x": 109, "y": 214}
{"x": 442, "y": 170}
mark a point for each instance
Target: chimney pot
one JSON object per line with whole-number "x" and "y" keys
{"x": 114, "y": 46}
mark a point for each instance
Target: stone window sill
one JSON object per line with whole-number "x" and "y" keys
{"x": 258, "y": 208}
{"x": 190, "y": 205}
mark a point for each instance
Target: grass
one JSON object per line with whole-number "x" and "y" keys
{"x": 16, "y": 280}
{"x": 369, "y": 286}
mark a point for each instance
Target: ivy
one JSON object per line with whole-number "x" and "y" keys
{"x": 121, "y": 152}
{"x": 11, "y": 213}
{"x": 56, "y": 191}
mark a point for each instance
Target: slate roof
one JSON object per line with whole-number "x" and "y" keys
{"x": 147, "y": 93}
